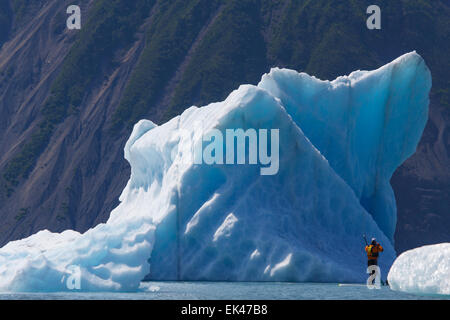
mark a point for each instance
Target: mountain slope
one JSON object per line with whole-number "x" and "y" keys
{"x": 70, "y": 97}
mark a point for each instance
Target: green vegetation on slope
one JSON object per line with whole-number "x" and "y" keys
{"x": 231, "y": 53}
{"x": 174, "y": 29}
{"x": 325, "y": 38}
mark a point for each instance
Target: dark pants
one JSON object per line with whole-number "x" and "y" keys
{"x": 372, "y": 262}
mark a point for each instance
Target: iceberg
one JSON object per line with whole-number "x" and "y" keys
{"x": 337, "y": 142}
{"x": 423, "y": 270}
{"x": 366, "y": 125}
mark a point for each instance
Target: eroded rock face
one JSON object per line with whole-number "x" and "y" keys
{"x": 422, "y": 187}
{"x": 81, "y": 170}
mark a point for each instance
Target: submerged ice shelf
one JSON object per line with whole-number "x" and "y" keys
{"x": 339, "y": 143}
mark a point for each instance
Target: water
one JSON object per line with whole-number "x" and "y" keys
{"x": 229, "y": 291}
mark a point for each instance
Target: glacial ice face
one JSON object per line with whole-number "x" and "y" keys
{"x": 423, "y": 270}
{"x": 180, "y": 220}
{"x": 365, "y": 124}
{"x": 305, "y": 221}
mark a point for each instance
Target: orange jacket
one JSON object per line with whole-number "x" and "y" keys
{"x": 373, "y": 251}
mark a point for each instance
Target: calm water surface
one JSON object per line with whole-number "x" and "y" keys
{"x": 229, "y": 290}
